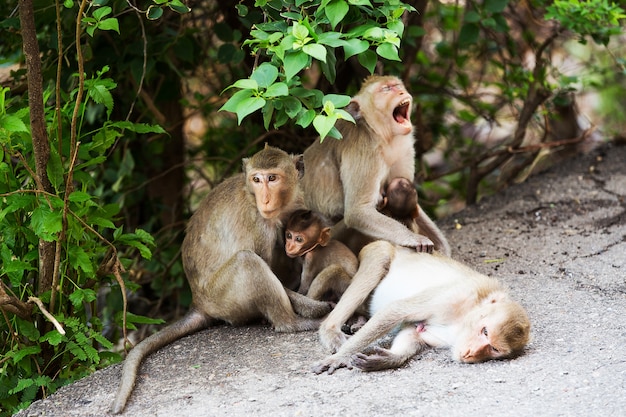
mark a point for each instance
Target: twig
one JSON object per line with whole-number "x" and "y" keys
{"x": 47, "y": 314}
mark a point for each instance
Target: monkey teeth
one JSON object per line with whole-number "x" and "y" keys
{"x": 401, "y": 111}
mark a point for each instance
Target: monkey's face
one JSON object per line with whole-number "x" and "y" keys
{"x": 387, "y": 106}
{"x": 271, "y": 191}
{"x": 497, "y": 329}
{"x": 299, "y": 243}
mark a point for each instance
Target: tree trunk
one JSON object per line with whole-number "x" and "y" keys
{"x": 41, "y": 146}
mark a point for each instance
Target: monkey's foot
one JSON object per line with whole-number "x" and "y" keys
{"x": 378, "y": 359}
{"x": 332, "y": 339}
{"x": 331, "y": 364}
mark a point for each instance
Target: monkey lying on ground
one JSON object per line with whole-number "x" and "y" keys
{"x": 344, "y": 178}
{"x": 434, "y": 301}
{"x": 328, "y": 265}
{"x": 231, "y": 241}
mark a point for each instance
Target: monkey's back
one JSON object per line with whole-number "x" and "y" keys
{"x": 226, "y": 222}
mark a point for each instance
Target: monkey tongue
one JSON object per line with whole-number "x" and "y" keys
{"x": 401, "y": 113}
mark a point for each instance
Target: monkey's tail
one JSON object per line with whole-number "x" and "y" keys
{"x": 190, "y": 323}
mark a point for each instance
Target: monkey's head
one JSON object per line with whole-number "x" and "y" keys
{"x": 400, "y": 200}
{"x": 385, "y": 105}
{"x": 272, "y": 177}
{"x": 497, "y": 329}
{"x": 305, "y": 231}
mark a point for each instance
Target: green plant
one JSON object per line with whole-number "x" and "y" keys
{"x": 298, "y": 34}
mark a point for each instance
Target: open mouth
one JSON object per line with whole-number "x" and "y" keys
{"x": 401, "y": 111}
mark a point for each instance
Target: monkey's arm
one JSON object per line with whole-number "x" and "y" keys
{"x": 429, "y": 229}
{"x": 360, "y": 200}
{"x": 406, "y": 344}
{"x": 375, "y": 260}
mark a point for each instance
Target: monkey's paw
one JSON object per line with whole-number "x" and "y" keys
{"x": 424, "y": 244}
{"x": 331, "y": 364}
{"x": 332, "y": 339}
{"x": 378, "y": 360}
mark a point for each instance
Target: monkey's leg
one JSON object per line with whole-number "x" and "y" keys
{"x": 333, "y": 278}
{"x": 406, "y": 344}
{"x": 308, "y": 307}
{"x": 193, "y": 321}
{"x": 245, "y": 288}
{"x": 374, "y": 262}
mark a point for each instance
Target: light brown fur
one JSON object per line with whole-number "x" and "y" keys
{"x": 345, "y": 178}
{"x": 435, "y": 300}
{"x": 327, "y": 264}
{"x": 231, "y": 242}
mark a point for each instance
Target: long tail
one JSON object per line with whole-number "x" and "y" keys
{"x": 190, "y": 323}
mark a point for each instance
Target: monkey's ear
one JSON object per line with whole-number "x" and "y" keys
{"x": 244, "y": 164}
{"x": 382, "y": 203}
{"x": 299, "y": 163}
{"x": 324, "y": 236}
{"x": 416, "y": 212}
{"x": 354, "y": 108}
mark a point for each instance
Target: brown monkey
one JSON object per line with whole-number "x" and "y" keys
{"x": 435, "y": 301}
{"x": 328, "y": 265}
{"x": 400, "y": 202}
{"x": 344, "y": 178}
{"x": 227, "y": 253}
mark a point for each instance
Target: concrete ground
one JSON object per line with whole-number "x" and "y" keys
{"x": 557, "y": 241}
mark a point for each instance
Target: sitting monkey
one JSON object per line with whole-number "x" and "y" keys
{"x": 328, "y": 265}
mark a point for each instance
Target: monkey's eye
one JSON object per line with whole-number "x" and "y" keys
{"x": 485, "y": 332}
{"x": 288, "y": 235}
{"x": 494, "y": 350}
{"x": 299, "y": 239}
{"x": 256, "y": 179}
{"x": 386, "y": 87}
{"x": 272, "y": 177}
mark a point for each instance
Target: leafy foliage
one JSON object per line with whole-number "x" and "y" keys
{"x": 300, "y": 34}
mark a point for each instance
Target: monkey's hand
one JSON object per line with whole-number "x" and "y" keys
{"x": 378, "y": 360}
{"x": 424, "y": 244}
{"x": 331, "y": 364}
{"x": 332, "y": 339}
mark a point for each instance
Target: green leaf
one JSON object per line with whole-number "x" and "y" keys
{"x": 355, "y": 47}
{"x": 277, "y": 90}
{"x": 336, "y": 11}
{"x": 109, "y": 24}
{"x": 53, "y": 337}
{"x": 332, "y": 39}
{"x": 265, "y": 75}
{"x": 317, "y": 51}
{"x": 13, "y": 124}
{"x": 178, "y": 6}
{"x": 46, "y": 223}
{"x": 154, "y": 12}
{"x": 323, "y": 124}
{"x": 246, "y": 84}
{"x": 101, "y": 95}
{"x": 469, "y": 34}
{"x": 79, "y": 197}
{"x": 100, "y": 12}
{"x": 299, "y": 31}
{"x": 22, "y": 353}
{"x": 306, "y": 118}
{"x": 233, "y": 102}
{"x": 338, "y": 100}
{"x": 388, "y": 51}
{"x": 368, "y": 59}
{"x": 248, "y": 106}
{"x": 82, "y": 295}
{"x": 79, "y": 259}
{"x": 495, "y": 6}
{"x": 294, "y": 63}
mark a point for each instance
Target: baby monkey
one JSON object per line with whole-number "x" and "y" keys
{"x": 399, "y": 201}
{"x": 328, "y": 265}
